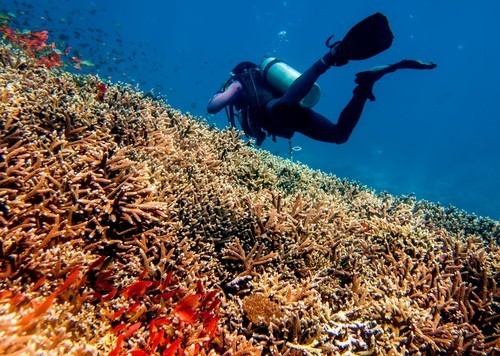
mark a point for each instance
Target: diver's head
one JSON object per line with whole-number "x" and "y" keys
{"x": 243, "y": 67}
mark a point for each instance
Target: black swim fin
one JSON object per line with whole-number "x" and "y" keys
{"x": 367, "y": 38}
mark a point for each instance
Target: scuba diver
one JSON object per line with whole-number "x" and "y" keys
{"x": 272, "y": 99}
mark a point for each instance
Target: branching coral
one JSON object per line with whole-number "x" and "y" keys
{"x": 128, "y": 227}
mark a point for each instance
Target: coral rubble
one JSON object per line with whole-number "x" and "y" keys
{"x": 127, "y": 226}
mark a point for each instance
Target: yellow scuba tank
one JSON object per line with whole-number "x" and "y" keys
{"x": 280, "y": 76}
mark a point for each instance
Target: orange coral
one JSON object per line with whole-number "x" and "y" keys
{"x": 260, "y": 309}
{"x": 184, "y": 236}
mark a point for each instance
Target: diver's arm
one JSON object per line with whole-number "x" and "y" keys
{"x": 224, "y": 98}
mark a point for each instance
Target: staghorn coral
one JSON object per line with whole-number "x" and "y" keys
{"x": 128, "y": 227}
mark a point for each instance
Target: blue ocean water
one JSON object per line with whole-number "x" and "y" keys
{"x": 431, "y": 133}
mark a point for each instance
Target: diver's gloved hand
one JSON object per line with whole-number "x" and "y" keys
{"x": 259, "y": 136}
{"x": 335, "y": 56}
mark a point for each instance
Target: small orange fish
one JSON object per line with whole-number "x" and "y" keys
{"x": 186, "y": 308}
{"x": 41, "y": 308}
{"x": 137, "y": 289}
{"x": 172, "y": 349}
{"x": 118, "y": 348}
{"x": 132, "y": 329}
{"x": 101, "y": 90}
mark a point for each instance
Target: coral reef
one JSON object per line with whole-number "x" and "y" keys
{"x": 129, "y": 227}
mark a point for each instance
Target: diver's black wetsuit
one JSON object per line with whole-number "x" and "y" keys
{"x": 285, "y": 112}
{"x": 263, "y": 108}
{"x": 283, "y": 115}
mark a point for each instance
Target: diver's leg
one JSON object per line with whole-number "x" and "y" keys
{"x": 335, "y": 56}
{"x": 303, "y": 84}
{"x": 319, "y": 128}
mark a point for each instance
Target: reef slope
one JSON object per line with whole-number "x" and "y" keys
{"x": 127, "y": 226}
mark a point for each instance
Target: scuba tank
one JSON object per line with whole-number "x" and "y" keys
{"x": 280, "y": 76}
